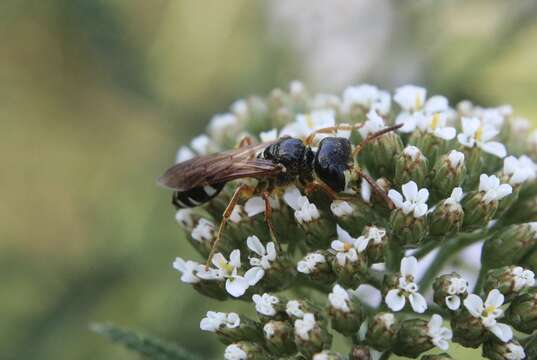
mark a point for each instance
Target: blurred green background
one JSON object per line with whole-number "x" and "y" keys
{"x": 96, "y": 96}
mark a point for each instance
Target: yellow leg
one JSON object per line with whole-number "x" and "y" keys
{"x": 358, "y": 149}
{"x": 375, "y": 187}
{"x": 330, "y": 130}
{"x": 268, "y": 218}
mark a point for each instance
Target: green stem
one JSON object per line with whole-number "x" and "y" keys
{"x": 386, "y": 355}
{"x": 480, "y": 279}
{"x": 394, "y": 253}
{"x": 426, "y": 249}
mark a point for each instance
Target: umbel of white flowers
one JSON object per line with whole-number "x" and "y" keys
{"x": 399, "y": 272}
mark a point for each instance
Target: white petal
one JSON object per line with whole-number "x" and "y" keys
{"x": 470, "y": 125}
{"x": 410, "y": 190}
{"x": 495, "y": 298}
{"x": 361, "y": 243}
{"x": 420, "y": 210}
{"x": 494, "y": 148}
{"x": 423, "y": 195}
{"x": 474, "y": 304}
{"x": 502, "y": 332}
{"x": 254, "y": 275}
{"x": 271, "y": 251}
{"x": 292, "y": 196}
{"x": 218, "y": 259}
{"x": 255, "y": 245}
{"x": 453, "y": 302}
{"x": 338, "y": 245}
{"x": 344, "y": 235}
{"x": 396, "y": 197}
{"x": 236, "y": 286}
{"x": 409, "y": 266}
{"x": 255, "y": 205}
{"x": 235, "y": 258}
{"x": 446, "y": 133}
{"x": 418, "y": 302}
{"x": 395, "y": 300}
{"x": 365, "y": 191}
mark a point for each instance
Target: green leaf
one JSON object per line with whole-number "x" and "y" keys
{"x": 148, "y": 346}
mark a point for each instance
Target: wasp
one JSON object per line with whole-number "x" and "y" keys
{"x": 274, "y": 164}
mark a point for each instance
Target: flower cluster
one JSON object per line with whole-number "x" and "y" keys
{"x": 415, "y": 199}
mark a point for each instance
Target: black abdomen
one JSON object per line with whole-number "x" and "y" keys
{"x": 196, "y": 196}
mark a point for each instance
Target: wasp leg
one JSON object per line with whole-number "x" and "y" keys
{"x": 245, "y": 141}
{"x": 242, "y": 189}
{"x": 318, "y": 185}
{"x": 375, "y": 187}
{"x": 330, "y": 130}
{"x": 358, "y": 149}
{"x": 268, "y": 218}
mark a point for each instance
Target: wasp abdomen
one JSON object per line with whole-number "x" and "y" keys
{"x": 196, "y": 196}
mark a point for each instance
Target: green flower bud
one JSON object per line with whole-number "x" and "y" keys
{"x": 412, "y": 338}
{"x": 376, "y": 239}
{"x": 328, "y": 355}
{"x": 430, "y": 144}
{"x": 296, "y": 309}
{"x": 411, "y": 165}
{"x": 468, "y": 330}
{"x": 352, "y": 215}
{"x": 522, "y": 314}
{"x": 497, "y": 350}
{"x": 447, "y": 218}
{"x": 450, "y": 291}
{"x": 311, "y": 336}
{"x": 380, "y": 154}
{"x": 408, "y": 229}
{"x": 245, "y": 350}
{"x": 448, "y": 172}
{"x": 360, "y": 352}
{"x": 510, "y": 245}
{"x": 382, "y": 331}
{"x": 509, "y": 280}
{"x": 212, "y": 289}
{"x": 442, "y": 356}
{"x": 346, "y": 313}
{"x": 279, "y": 338}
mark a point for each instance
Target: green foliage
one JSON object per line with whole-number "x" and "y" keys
{"x": 148, "y": 346}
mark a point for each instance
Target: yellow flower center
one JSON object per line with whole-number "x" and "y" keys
{"x": 347, "y": 246}
{"x": 489, "y": 310}
{"x": 479, "y": 133}
{"x": 228, "y": 268}
{"x": 418, "y": 104}
{"x": 435, "y": 121}
{"x": 309, "y": 120}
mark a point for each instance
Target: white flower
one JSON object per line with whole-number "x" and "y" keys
{"x": 439, "y": 335}
{"x": 373, "y": 233}
{"x": 269, "y": 135}
{"x": 294, "y": 309}
{"x": 237, "y": 215}
{"x": 367, "y": 97}
{"x": 368, "y": 295}
{"x": 268, "y": 330}
{"x": 436, "y": 125}
{"x": 341, "y": 208}
{"x": 414, "y": 201}
{"x": 266, "y": 255}
{"x": 494, "y": 191}
{"x": 203, "y": 145}
{"x": 184, "y": 218}
{"x": 323, "y": 101}
{"x": 234, "y": 352}
{"x": 222, "y": 125}
{"x": 410, "y": 98}
{"x": 204, "y": 231}
{"x": 183, "y": 154}
{"x": 519, "y": 170}
{"x": 214, "y": 321}
{"x": 256, "y": 205}
{"x": 264, "y": 304}
{"x": 373, "y": 124}
{"x": 477, "y": 134}
{"x": 236, "y": 285}
{"x": 304, "y": 210}
{"x": 188, "y": 269}
{"x": 455, "y": 158}
{"x": 239, "y": 108}
{"x": 345, "y": 247}
{"x": 407, "y": 288}
{"x": 296, "y": 88}
{"x": 523, "y": 278}
{"x": 516, "y": 352}
{"x": 455, "y": 197}
{"x": 456, "y": 288}
{"x": 310, "y": 262}
{"x": 318, "y": 119}
{"x": 339, "y": 299}
{"x": 304, "y": 326}
{"x": 488, "y": 312}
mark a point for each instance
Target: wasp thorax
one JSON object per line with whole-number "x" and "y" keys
{"x": 332, "y": 160}
{"x": 294, "y": 155}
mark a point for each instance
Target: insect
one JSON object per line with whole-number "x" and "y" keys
{"x": 274, "y": 164}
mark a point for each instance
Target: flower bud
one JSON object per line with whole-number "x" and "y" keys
{"x": 245, "y": 350}
{"x": 442, "y": 356}
{"x": 449, "y": 172}
{"x": 509, "y": 280}
{"x": 316, "y": 267}
{"x": 412, "y": 338}
{"x": 269, "y": 307}
{"x": 522, "y": 314}
{"x": 311, "y": 336}
{"x": 498, "y": 350}
{"x": 376, "y": 239}
{"x": 231, "y": 327}
{"x": 510, "y": 245}
{"x": 447, "y": 218}
{"x": 411, "y": 165}
{"x": 468, "y": 330}
{"x": 382, "y": 331}
{"x": 352, "y": 216}
{"x": 212, "y": 289}
{"x": 360, "y": 352}
{"x": 279, "y": 338}
{"x": 408, "y": 229}
{"x": 431, "y": 145}
{"x": 296, "y": 309}
{"x": 345, "y": 312}
{"x": 450, "y": 290}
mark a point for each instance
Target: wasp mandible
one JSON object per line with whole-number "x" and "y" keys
{"x": 274, "y": 164}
